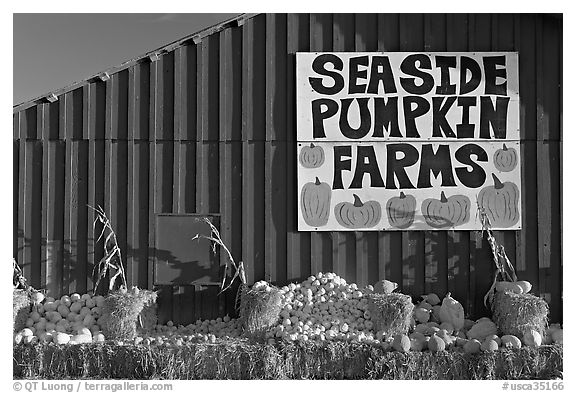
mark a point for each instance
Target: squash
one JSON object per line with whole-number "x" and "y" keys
{"x": 311, "y": 156}
{"x": 401, "y": 343}
{"x": 500, "y": 202}
{"x": 452, "y": 311}
{"x": 525, "y": 285}
{"x": 446, "y": 212}
{"x": 495, "y": 338}
{"x": 358, "y": 215}
{"x": 489, "y": 346}
{"x": 472, "y": 346}
{"x": 511, "y": 341}
{"x": 532, "y": 338}
{"x": 315, "y": 203}
{"x": 431, "y": 299}
{"x": 401, "y": 210}
{"x": 421, "y": 315}
{"x": 436, "y": 344}
{"x": 505, "y": 159}
{"x": 61, "y": 338}
{"x": 482, "y": 329}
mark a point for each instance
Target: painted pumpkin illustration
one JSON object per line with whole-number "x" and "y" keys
{"x": 505, "y": 159}
{"x": 446, "y": 212}
{"x": 359, "y": 214}
{"x": 400, "y": 210}
{"x": 500, "y": 202}
{"x": 311, "y": 156}
{"x": 315, "y": 203}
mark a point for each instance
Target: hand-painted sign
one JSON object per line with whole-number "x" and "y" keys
{"x": 407, "y": 141}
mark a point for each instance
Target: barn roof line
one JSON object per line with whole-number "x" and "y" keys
{"x": 195, "y": 38}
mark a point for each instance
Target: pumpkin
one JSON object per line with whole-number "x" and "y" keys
{"x": 401, "y": 210}
{"x": 532, "y": 338}
{"x": 525, "y": 285}
{"x": 446, "y": 212}
{"x": 436, "y": 344}
{"x": 385, "y": 286}
{"x": 489, "y": 346}
{"x": 447, "y": 338}
{"x": 422, "y": 329}
{"x": 447, "y": 326}
{"x": 482, "y": 329}
{"x": 311, "y": 156}
{"x": 417, "y": 336}
{"x": 426, "y": 305}
{"x": 401, "y": 343}
{"x": 511, "y": 341}
{"x": 315, "y": 203}
{"x": 359, "y": 214}
{"x": 472, "y": 346}
{"x": 500, "y": 203}
{"x": 421, "y": 314}
{"x": 506, "y": 286}
{"x": 452, "y": 311}
{"x": 37, "y": 297}
{"x": 61, "y": 338}
{"x": 417, "y": 345}
{"x": 505, "y": 159}
{"x": 432, "y": 299}
{"x": 495, "y": 338}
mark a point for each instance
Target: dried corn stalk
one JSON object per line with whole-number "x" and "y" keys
{"x": 112, "y": 255}
{"x": 238, "y": 268}
{"x": 504, "y": 267}
{"x": 18, "y": 279}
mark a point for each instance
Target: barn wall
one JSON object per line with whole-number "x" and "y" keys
{"x": 210, "y": 128}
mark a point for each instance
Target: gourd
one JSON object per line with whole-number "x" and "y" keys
{"x": 359, "y": 214}
{"x": 417, "y": 344}
{"x": 61, "y": 338}
{"x": 446, "y": 212}
{"x": 401, "y": 210}
{"x": 495, "y": 338}
{"x": 472, "y": 346}
{"x": 432, "y": 299}
{"x": 505, "y": 159}
{"x": 311, "y": 156}
{"x": 532, "y": 338}
{"x": 421, "y": 314}
{"x": 452, "y": 311}
{"x": 525, "y": 285}
{"x": 37, "y": 297}
{"x": 500, "y": 203}
{"x": 401, "y": 343}
{"x": 482, "y": 329}
{"x": 489, "y": 346}
{"x": 511, "y": 341}
{"x": 436, "y": 344}
{"x": 315, "y": 203}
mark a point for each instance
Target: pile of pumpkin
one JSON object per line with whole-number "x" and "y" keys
{"x": 324, "y": 307}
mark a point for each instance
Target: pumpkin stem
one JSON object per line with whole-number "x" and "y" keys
{"x": 357, "y": 201}
{"x": 311, "y": 144}
{"x": 317, "y": 181}
{"x": 402, "y": 196}
{"x": 504, "y": 147}
{"x": 497, "y": 183}
{"x": 443, "y": 197}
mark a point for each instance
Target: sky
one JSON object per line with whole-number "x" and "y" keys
{"x": 52, "y": 51}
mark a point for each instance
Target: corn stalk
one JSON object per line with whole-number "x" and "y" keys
{"x": 504, "y": 268}
{"x": 18, "y": 279}
{"x": 239, "y": 273}
{"x": 112, "y": 255}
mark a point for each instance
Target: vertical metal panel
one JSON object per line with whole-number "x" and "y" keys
{"x": 209, "y": 128}
{"x": 138, "y": 101}
{"x": 15, "y": 196}
{"x": 185, "y": 93}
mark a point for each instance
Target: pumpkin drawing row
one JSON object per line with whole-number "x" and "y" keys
{"x": 500, "y": 202}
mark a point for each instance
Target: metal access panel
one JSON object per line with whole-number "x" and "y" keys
{"x": 179, "y": 260}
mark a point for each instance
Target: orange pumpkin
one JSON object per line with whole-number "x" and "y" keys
{"x": 401, "y": 210}
{"x": 505, "y": 159}
{"x": 446, "y": 212}
{"x": 359, "y": 214}
{"x": 500, "y": 202}
{"x": 311, "y": 156}
{"x": 315, "y": 203}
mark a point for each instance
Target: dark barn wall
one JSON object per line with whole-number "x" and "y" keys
{"x": 210, "y": 128}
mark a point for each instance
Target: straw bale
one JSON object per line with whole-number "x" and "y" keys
{"x": 391, "y": 313}
{"x": 20, "y": 309}
{"x": 259, "y": 309}
{"x": 121, "y": 311}
{"x": 517, "y": 313}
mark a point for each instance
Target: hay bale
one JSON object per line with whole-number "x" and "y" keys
{"x": 391, "y": 313}
{"x": 517, "y": 313}
{"x": 121, "y": 311}
{"x": 20, "y": 309}
{"x": 259, "y": 309}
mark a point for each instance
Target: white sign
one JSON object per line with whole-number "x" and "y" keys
{"x": 407, "y": 141}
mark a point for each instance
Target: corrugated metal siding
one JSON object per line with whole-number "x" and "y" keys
{"x": 209, "y": 127}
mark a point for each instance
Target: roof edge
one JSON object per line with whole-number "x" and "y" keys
{"x": 194, "y": 37}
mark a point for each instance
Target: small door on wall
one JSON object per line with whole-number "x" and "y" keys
{"x": 179, "y": 260}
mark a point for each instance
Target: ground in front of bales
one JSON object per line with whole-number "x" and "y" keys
{"x": 244, "y": 359}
